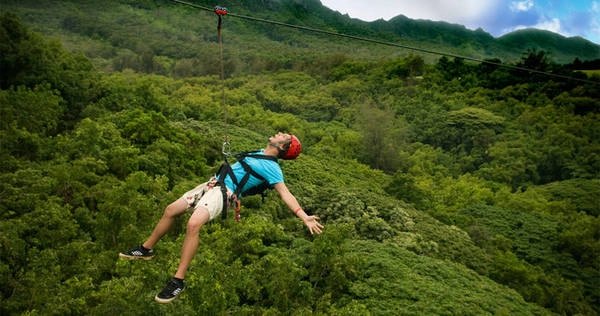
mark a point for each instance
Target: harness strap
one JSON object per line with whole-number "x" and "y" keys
{"x": 249, "y": 172}
{"x": 224, "y": 170}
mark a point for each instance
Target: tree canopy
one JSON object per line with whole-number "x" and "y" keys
{"x": 441, "y": 193}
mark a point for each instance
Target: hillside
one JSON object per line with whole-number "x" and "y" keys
{"x": 445, "y": 186}
{"x": 550, "y": 42}
{"x": 166, "y": 37}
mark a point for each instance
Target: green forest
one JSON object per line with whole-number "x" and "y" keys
{"x": 446, "y": 187}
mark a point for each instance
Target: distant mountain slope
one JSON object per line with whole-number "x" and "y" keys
{"x": 482, "y": 44}
{"x": 444, "y": 35}
{"x": 553, "y": 43}
{"x": 176, "y": 31}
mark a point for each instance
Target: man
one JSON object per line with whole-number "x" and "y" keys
{"x": 207, "y": 201}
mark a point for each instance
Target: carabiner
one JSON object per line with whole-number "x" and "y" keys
{"x": 226, "y": 149}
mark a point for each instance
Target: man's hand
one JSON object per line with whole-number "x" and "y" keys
{"x": 290, "y": 200}
{"x": 312, "y": 224}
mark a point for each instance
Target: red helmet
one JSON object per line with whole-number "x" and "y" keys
{"x": 294, "y": 150}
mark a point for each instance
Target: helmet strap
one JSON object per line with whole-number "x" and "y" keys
{"x": 280, "y": 152}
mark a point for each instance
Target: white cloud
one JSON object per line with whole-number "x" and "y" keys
{"x": 446, "y": 10}
{"x": 496, "y": 17}
{"x": 552, "y": 25}
{"x": 518, "y": 6}
{"x": 436, "y": 10}
{"x": 594, "y": 31}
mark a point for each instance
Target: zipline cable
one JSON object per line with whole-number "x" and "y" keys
{"x": 370, "y": 40}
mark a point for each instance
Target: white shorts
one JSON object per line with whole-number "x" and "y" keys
{"x": 207, "y": 195}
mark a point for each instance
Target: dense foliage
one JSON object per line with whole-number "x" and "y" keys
{"x": 446, "y": 188}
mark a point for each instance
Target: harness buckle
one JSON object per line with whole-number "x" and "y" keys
{"x": 238, "y": 216}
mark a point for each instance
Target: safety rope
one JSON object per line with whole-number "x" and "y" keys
{"x": 226, "y": 149}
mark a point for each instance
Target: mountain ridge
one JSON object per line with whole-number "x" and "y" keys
{"x": 151, "y": 17}
{"x": 401, "y": 28}
{"x": 530, "y": 38}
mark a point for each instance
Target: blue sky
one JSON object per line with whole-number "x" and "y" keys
{"x": 497, "y": 17}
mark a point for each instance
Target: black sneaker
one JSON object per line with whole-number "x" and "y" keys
{"x": 171, "y": 291}
{"x": 137, "y": 253}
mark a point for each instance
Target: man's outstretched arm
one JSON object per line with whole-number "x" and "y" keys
{"x": 289, "y": 199}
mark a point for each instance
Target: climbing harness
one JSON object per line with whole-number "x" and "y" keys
{"x": 225, "y": 170}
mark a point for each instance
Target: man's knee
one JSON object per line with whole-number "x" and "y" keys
{"x": 176, "y": 208}
{"x": 193, "y": 225}
{"x": 198, "y": 218}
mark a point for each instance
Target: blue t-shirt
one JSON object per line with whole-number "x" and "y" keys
{"x": 268, "y": 169}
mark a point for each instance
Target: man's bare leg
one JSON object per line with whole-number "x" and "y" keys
{"x": 190, "y": 243}
{"x": 163, "y": 226}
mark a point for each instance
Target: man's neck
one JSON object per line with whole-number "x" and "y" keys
{"x": 271, "y": 150}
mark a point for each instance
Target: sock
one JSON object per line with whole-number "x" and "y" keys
{"x": 144, "y": 248}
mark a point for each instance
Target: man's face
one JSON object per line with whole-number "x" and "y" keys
{"x": 280, "y": 138}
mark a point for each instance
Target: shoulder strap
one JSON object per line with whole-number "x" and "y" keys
{"x": 253, "y": 154}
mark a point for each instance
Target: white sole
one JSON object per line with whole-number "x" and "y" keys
{"x": 124, "y": 256}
